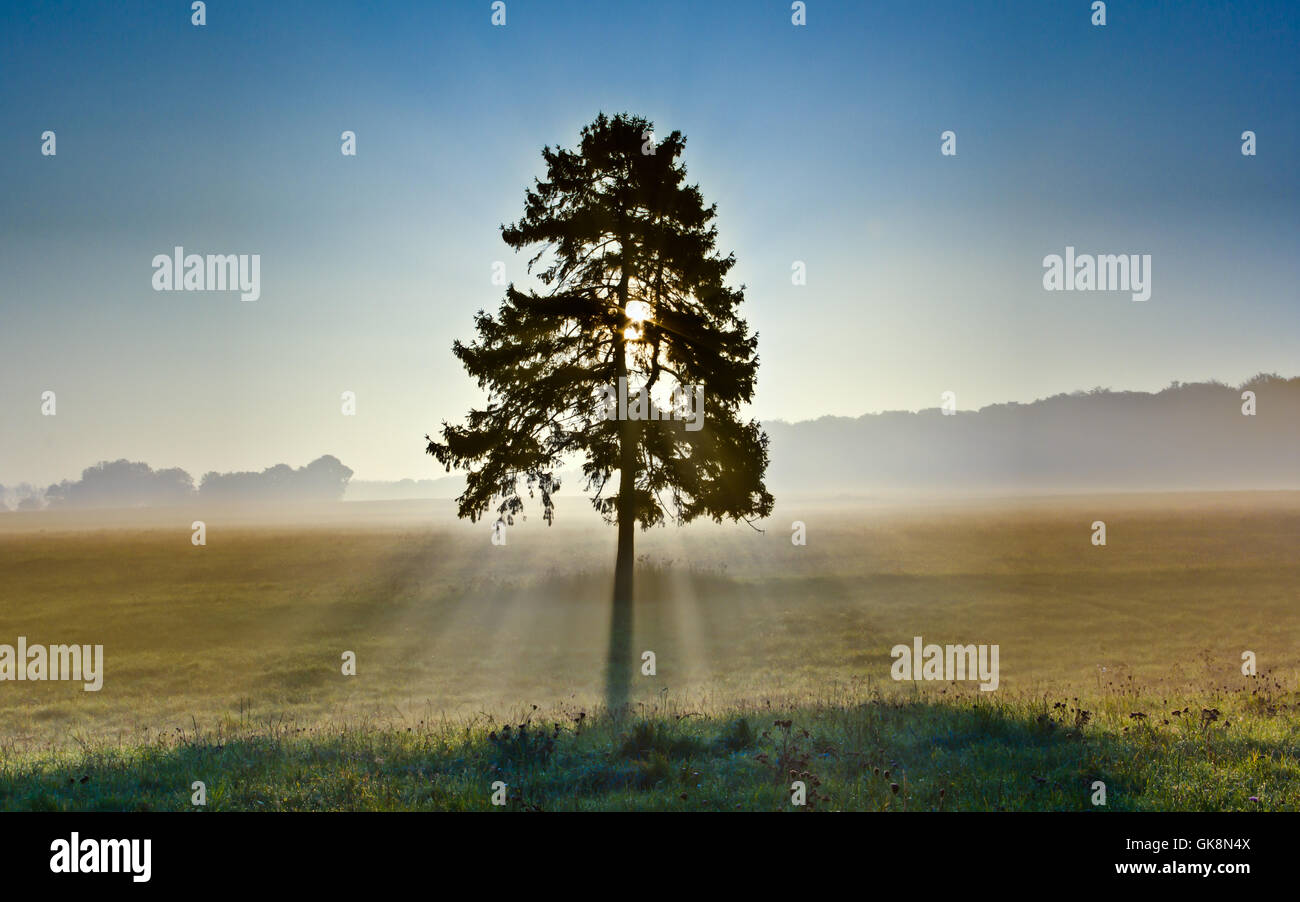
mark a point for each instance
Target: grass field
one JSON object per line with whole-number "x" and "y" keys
{"x": 223, "y": 662}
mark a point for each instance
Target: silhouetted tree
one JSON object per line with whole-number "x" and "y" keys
{"x": 122, "y": 483}
{"x": 324, "y": 479}
{"x": 635, "y": 293}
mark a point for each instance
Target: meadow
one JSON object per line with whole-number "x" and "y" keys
{"x": 477, "y": 663}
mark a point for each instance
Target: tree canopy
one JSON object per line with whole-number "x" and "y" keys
{"x": 635, "y": 291}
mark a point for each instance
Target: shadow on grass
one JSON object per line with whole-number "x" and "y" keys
{"x": 878, "y": 755}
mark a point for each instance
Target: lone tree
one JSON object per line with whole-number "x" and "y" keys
{"x": 634, "y": 300}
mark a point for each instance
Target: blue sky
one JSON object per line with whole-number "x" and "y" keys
{"x": 818, "y": 143}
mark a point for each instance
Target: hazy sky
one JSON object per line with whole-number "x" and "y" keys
{"x": 818, "y": 143}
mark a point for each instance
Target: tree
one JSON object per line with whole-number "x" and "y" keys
{"x": 122, "y": 483}
{"x": 324, "y": 479}
{"x": 635, "y": 298}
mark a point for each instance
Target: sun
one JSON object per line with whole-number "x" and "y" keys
{"x": 638, "y": 312}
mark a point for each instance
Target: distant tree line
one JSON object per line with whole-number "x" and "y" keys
{"x": 126, "y": 483}
{"x": 1200, "y": 435}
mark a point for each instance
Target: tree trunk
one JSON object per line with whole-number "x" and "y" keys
{"x": 619, "y": 662}
{"x": 626, "y": 507}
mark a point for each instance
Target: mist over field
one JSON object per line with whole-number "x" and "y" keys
{"x": 443, "y": 620}
{"x": 1192, "y": 436}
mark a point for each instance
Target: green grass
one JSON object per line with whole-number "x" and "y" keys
{"x": 951, "y": 751}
